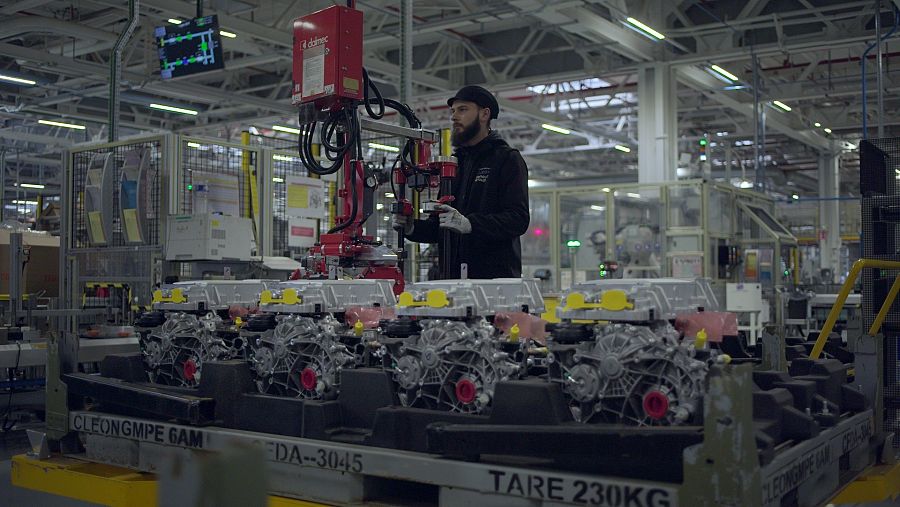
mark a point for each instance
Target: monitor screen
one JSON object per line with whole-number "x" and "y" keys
{"x": 191, "y": 47}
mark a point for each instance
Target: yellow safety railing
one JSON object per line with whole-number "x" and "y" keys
{"x": 857, "y": 268}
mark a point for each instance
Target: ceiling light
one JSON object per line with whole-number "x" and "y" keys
{"x": 605, "y": 189}
{"x": 289, "y": 130}
{"x": 175, "y": 21}
{"x": 795, "y": 197}
{"x": 781, "y": 104}
{"x": 817, "y": 124}
{"x": 646, "y": 29}
{"x": 389, "y": 195}
{"x": 61, "y": 124}
{"x": 379, "y": 206}
{"x": 724, "y": 73}
{"x": 827, "y": 130}
{"x": 283, "y": 158}
{"x": 554, "y": 128}
{"x": 278, "y": 180}
{"x": 29, "y": 185}
{"x": 29, "y": 203}
{"x": 598, "y": 208}
{"x": 632, "y": 194}
{"x": 735, "y": 87}
{"x": 173, "y": 109}
{"x": 17, "y": 80}
{"x": 384, "y": 147}
{"x": 619, "y": 147}
{"x": 193, "y": 145}
{"x": 746, "y": 184}
{"x": 230, "y": 35}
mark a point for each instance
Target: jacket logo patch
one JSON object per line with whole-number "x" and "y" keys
{"x": 483, "y": 175}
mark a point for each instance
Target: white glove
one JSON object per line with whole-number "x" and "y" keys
{"x": 451, "y": 218}
{"x": 403, "y": 223}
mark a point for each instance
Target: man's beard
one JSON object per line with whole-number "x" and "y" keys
{"x": 466, "y": 134}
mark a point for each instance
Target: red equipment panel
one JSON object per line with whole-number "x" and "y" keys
{"x": 328, "y": 56}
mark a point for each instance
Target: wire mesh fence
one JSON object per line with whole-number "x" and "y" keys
{"x": 879, "y": 173}
{"x": 216, "y": 178}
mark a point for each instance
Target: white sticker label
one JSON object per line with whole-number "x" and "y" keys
{"x": 314, "y": 71}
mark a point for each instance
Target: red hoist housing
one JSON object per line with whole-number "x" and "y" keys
{"x": 328, "y": 51}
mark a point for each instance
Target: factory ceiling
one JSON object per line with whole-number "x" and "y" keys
{"x": 569, "y": 63}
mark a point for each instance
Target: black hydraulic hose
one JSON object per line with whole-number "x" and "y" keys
{"x": 354, "y": 206}
{"x": 379, "y": 100}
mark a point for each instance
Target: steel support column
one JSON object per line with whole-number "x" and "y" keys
{"x": 657, "y": 124}
{"x": 829, "y": 214}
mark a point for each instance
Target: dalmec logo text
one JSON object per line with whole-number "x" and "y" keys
{"x": 313, "y": 42}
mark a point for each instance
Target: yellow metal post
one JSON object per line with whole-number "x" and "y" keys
{"x": 885, "y": 307}
{"x": 90, "y": 482}
{"x": 878, "y": 484}
{"x": 446, "y": 147}
{"x": 857, "y": 268}
{"x": 107, "y": 485}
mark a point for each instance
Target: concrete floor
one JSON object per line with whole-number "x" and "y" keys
{"x": 12, "y": 443}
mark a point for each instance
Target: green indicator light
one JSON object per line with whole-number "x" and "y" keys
{"x": 603, "y": 266}
{"x": 573, "y": 243}
{"x": 190, "y": 187}
{"x": 603, "y": 273}
{"x": 703, "y": 142}
{"x": 204, "y": 46}
{"x": 787, "y": 273}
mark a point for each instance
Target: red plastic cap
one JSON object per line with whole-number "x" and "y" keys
{"x": 656, "y": 405}
{"x": 308, "y": 379}
{"x": 466, "y": 391}
{"x": 190, "y": 369}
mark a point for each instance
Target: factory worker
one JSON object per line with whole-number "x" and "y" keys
{"x": 490, "y": 207}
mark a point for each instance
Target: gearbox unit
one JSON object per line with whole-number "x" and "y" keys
{"x": 308, "y": 331}
{"x": 631, "y": 366}
{"x": 445, "y": 353}
{"x": 192, "y": 323}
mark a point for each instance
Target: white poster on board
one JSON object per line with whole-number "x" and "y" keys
{"x": 305, "y": 198}
{"x": 687, "y": 266}
{"x": 301, "y": 232}
{"x": 221, "y": 193}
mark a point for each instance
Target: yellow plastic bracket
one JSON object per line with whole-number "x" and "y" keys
{"x": 435, "y": 298}
{"x": 288, "y": 297}
{"x": 514, "y": 334}
{"x": 700, "y": 340}
{"x": 612, "y": 300}
{"x": 176, "y": 297}
{"x": 358, "y": 328}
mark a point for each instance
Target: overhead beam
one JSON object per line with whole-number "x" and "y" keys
{"x": 183, "y": 89}
{"x": 708, "y": 85}
{"x": 14, "y": 135}
{"x": 630, "y": 45}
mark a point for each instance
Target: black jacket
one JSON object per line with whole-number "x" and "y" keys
{"x": 491, "y": 190}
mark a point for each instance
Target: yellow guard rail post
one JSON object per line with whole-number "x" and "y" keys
{"x": 857, "y": 268}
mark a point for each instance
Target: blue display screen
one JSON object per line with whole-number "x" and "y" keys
{"x": 191, "y": 47}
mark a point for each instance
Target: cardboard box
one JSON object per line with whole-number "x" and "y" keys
{"x": 42, "y": 270}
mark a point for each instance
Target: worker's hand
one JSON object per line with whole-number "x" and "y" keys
{"x": 403, "y": 223}
{"x": 451, "y": 218}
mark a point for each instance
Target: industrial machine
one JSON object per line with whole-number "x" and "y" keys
{"x": 629, "y": 364}
{"x": 445, "y": 354}
{"x": 307, "y": 331}
{"x": 193, "y": 323}
{"x": 330, "y": 84}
